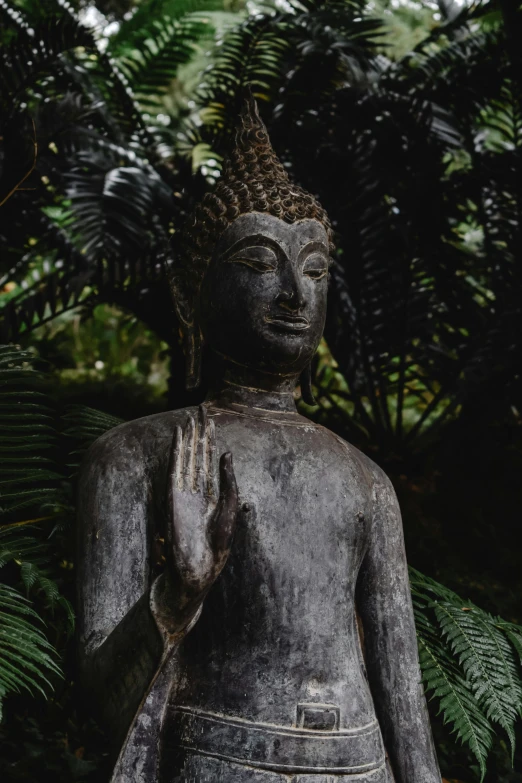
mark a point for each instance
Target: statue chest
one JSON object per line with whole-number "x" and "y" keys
{"x": 278, "y": 626}
{"x": 298, "y": 484}
{"x": 303, "y": 525}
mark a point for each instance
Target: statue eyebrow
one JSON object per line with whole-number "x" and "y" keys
{"x": 315, "y": 244}
{"x": 254, "y": 240}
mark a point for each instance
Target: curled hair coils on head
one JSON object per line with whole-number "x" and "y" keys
{"x": 253, "y": 180}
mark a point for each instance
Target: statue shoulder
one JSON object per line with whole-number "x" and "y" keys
{"x": 382, "y": 499}
{"x": 130, "y": 446}
{"x": 373, "y": 474}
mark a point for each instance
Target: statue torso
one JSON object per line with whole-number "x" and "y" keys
{"x": 278, "y": 628}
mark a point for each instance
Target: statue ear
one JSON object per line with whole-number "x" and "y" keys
{"x": 184, "y": 305}
{"x": 305, "y": 380}
{"x": 192, "y": 349}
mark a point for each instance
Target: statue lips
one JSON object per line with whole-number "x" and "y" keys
{"x": 287, "y": 322}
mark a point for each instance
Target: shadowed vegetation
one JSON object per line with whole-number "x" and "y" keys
{"x": 406, "y": 121}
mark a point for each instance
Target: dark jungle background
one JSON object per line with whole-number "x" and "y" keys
{"x": 405, "y": 118}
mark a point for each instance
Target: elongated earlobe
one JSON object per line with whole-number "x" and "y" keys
{"x": 189, "y": 328}
{"x": 192, "y": 349}
{"x": 307, "y": 394}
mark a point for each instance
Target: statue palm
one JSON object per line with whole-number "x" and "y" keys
{"x": 202, "y": 510}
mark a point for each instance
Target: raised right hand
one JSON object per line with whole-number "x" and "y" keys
{"x": 202, "y": 505}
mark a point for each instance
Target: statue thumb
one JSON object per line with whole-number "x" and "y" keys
{"x": 228, "y": 502}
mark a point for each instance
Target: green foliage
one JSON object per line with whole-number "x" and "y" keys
{"x": 413, "y": 148}
{"x": 488, "y": 661}
{"x": 100, "y": 203}
{"x": 444, "y": 680}
{"x": 148, "y": 20}
{"x": 423, "y": 187}
{"x": 107, "y": 359}
{"x": 115, "y": 163}
{"x": 85, "y": 425}
{"x": 150, "y": 69}
{"x": 26, "y": 657}
{"x": 34, "y": 54}
{"x": 471, "y": 664}
{"x": 160, "y": 37}
{"x": 30, "y": 493}
{"x": 337, "y": 39}
{"x": 471, "y": 661}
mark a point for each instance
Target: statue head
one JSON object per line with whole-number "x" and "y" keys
{"x": 252, "y": 275}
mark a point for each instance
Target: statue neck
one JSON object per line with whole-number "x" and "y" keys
{"x": 239, "y": 385}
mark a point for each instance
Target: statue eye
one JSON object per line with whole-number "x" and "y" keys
{"x": 315, "y": 266}
{"x": 260, "y": 258}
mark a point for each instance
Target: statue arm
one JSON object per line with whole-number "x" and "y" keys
{"x": 123, "y": 618}
{"x": 385, "y": 607}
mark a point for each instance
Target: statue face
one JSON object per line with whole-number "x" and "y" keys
{"x": 263, "y": 299}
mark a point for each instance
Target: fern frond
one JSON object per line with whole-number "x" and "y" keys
{"x": 30, "y": 483}
{"x": 29, "y": 575}
{"x": 85, "y": 425}
{"x": 18, "y": 545}
{"x": 444, "y": 682}
{"x": 471, "y": 664}
{"x": 89, "y": 421}
{"x": 27, "y": 660}
{"x": 514, "y": 634}
{"x": 488, "y": 662}
{"x": 14, "y": 477}
{"x": 27, "y": 435}
{"x": 502, "y": 117}
{"x": 13, "y": 16}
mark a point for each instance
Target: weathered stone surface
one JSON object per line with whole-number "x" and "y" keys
{"x": 226, "y": 551}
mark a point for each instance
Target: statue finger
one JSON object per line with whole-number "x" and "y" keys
{"x": 189, "y": 435}
{"x": 176, "y": 460}
{"x": 212, "y": 487}
{"x": 225, "y": 519}
{"x": 201, "y": 451}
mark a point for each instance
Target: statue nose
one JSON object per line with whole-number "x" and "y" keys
{"x": 289, "y": 301}
{"x": 292, "y": 297}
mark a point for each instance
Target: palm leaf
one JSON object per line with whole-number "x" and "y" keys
{"x": 34, "y": 54}
{"x": 143, "y": 24}
{"x": 151, "y": 69}
{"x": 251, "y": 53}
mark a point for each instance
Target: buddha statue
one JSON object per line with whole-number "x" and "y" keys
{"x": 244, "y": 606}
